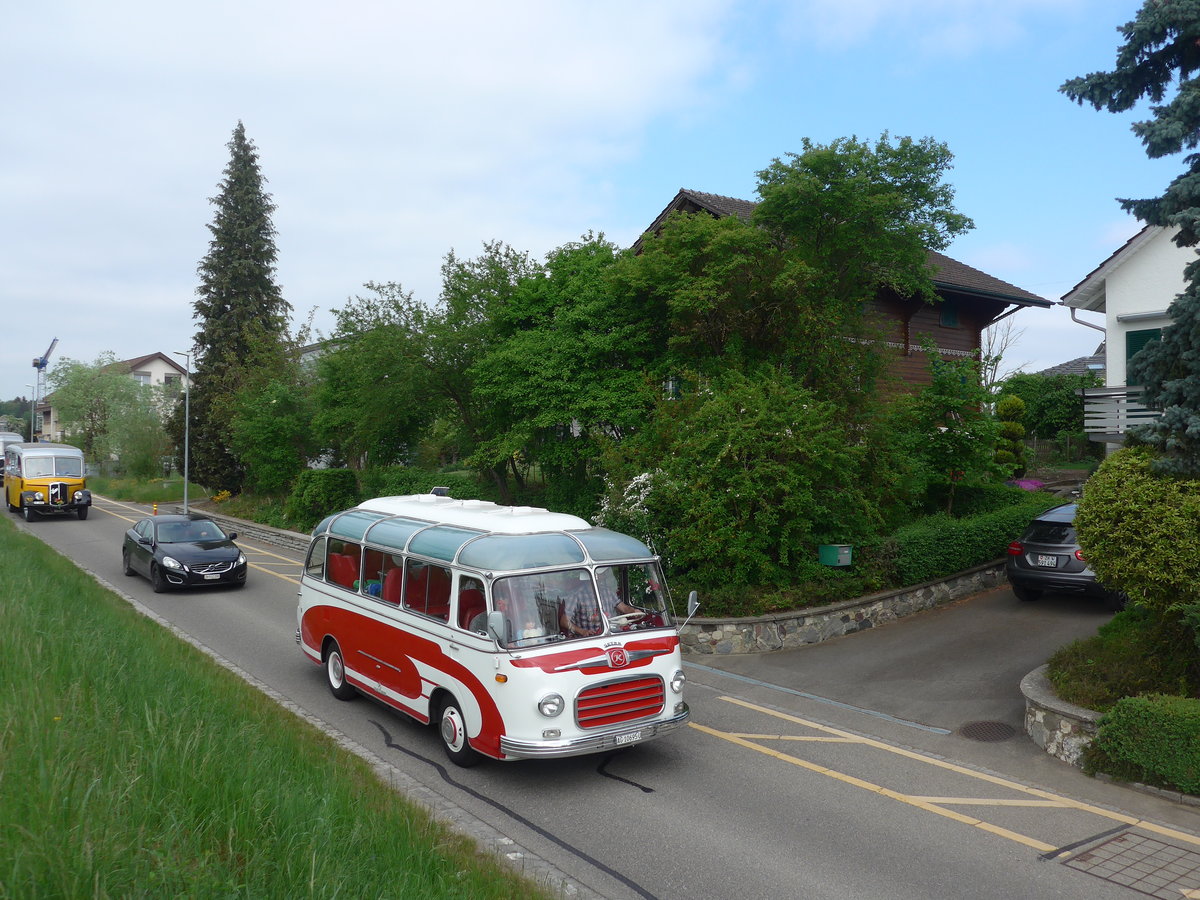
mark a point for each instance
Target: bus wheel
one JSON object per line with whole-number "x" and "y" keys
{"x": 83, "y": 511}
{"x": 453, "y": 729}
{"x": 27, "y": 513}
{"x": 335, "y": 674}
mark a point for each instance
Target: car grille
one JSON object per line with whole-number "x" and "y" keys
{"x": 620, "y": 701}
{"x": 212, "y": 568}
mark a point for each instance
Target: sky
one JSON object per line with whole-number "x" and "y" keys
{"x": 391, "y": 133}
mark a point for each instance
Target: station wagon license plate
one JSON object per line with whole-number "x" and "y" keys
{"x": 212, "y": 577}
{"x": 1049, "y": 562}
{"x": 629, "y": 738}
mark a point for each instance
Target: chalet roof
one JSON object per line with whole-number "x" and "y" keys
{"x": 948, "y": 274}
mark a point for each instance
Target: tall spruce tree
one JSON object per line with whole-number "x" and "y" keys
{"x": 1161, "y": 56}
{"x": 242, "y": 314}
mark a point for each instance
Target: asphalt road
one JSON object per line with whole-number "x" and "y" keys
{"x": 840, "y": 770}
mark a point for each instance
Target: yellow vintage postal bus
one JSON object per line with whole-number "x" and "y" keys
{"x": 45, "y": 478}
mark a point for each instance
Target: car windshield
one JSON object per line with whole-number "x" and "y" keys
{"x": 43, "y": 466}
{"x": 569, "y": 604}
{"x": 184, "y": 532}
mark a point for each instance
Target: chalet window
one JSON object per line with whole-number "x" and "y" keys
{"x": 1136, "y": 340}
{"x": 949, "y": 314}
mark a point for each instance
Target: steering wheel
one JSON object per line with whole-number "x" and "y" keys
{"x": 627, "y": 618}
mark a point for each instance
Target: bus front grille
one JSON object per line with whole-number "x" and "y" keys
{"x": 620, "y": 701}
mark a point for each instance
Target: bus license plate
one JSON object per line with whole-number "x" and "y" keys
{"x": 1049, "y": 562}
{"x": 212, "y": 577}
{"x": 629, "y": 738}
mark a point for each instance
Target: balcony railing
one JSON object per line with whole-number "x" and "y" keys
{"x": 1109, "y": 412}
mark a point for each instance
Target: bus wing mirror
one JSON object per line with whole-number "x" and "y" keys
{"x": 693, "y": 605}
{"x": 497, "y": 626}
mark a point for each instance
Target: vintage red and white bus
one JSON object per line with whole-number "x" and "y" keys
{"x": 520, "y": 632}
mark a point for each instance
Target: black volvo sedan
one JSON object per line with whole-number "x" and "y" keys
{"x": 182, "y": 551}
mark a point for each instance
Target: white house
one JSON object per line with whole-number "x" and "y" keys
{"x": 153, "y": 369}
{"x": 1133, "y": 288}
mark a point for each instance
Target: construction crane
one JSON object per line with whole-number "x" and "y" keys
{"x": 39, "y": 363}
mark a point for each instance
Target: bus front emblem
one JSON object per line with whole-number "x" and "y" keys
{"x": 617, "y": 658}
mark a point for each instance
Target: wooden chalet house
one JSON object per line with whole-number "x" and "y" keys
{"x": 971, "y": 300}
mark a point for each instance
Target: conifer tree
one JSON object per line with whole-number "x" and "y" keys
{"x": 1161, "y": 56}
{"x": 241, "y": 312}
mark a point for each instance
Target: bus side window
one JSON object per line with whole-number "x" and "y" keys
{"x": 471, "y": 605}
{"x": 427, "y": 590}
{"x": 315, "y": 566}
{"x": 342, "y": 566}
{"x": 373, "y": 569}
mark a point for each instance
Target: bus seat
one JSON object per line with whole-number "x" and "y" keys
{"x": 439, "y": 593}
{"x": 414, "y": 589}
{"x": 470, "y": 604}
{"x": 342, "y": 569}
{"x": 393, "y": 581}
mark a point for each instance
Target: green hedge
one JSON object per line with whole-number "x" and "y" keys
{"x": 1154, "y": 739}
{"x": 939, "y": 545}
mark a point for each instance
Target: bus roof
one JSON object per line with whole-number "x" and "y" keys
{"x": 47, "y": 448}
{"x": 482, "y": 515}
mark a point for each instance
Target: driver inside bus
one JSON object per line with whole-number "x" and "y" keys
{"x": 581, "y": 615}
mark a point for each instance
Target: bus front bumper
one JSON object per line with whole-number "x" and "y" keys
{"x": 611, "y": 739}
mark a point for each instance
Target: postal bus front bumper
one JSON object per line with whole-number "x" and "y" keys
{"x": 56, "y": 497}
{"x": 610, "y": 739}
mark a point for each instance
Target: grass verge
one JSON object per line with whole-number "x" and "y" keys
{"x": 131, "y": 765}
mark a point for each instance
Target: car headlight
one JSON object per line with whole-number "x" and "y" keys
{"x": 241, "y": 559}
{"x": 551, "y": 705}
{"x": 677, "y": 681}
{"x": 172, "y": 563}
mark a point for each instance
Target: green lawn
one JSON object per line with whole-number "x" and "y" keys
{"x": 132, "y": 765}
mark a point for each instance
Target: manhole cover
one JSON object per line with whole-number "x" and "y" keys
{"x": 987, "y": 731}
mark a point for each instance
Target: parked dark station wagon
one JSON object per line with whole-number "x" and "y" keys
{"x": 1047, "y": 559}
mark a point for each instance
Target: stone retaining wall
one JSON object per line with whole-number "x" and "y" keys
{"x": 292, "y": 540}
{"x": 1061, "y": 729}
{"x": 780, "y": 631}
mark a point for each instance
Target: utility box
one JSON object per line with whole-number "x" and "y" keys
{"x": 835, "y": 554}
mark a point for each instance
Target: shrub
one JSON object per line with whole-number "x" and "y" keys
{"x": 1140, "y": 531}
{"x": 319, "y": 492}
{"x": 1154, "y": 738}
{"x": 941, "y": 545}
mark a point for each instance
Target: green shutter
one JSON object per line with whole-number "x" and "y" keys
{"x": 1135, "y": 341}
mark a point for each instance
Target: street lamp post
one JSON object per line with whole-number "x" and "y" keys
{"x": 32, "y": 407}
{"x": 187, "y": 416}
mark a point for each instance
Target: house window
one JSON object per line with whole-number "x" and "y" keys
{"x": 1135, "y": 341}
{"x": 169, "y": 380}
{"x": 949, "y": 317}
{"x": 141, "y": 377}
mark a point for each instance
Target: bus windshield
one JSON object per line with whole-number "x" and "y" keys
{"x": 63, "y": 466}
{"x": 568, "y": 604}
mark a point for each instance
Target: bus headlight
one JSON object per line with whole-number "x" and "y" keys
{"x": 77, "y": 496}
{"x": 39, "y": 496}
{"x": 677, "y": 681}
{"x": 551, "y": 705}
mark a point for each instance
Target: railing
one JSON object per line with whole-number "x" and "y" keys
{"x": 1109, "y": 412}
